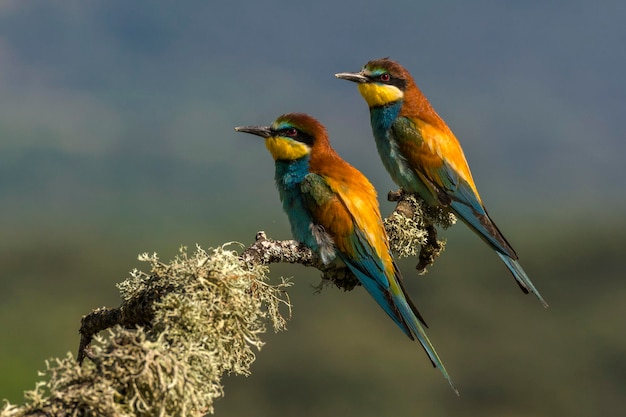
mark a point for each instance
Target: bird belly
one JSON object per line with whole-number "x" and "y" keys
{"x": 400, "y": 170}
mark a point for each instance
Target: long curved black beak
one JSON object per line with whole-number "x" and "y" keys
{"x": 355, "y": 77}
{"x": 263, "y": 131}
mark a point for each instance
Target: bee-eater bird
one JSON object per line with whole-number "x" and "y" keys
{"x": 332, "y": 208}
{"x": 423, "y": 156}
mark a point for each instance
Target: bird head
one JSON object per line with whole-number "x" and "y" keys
{"x": 291, "y": 136}
{"x": 380, "y": 82}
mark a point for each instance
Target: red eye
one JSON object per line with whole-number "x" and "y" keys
{"x": 291, "y": 132}
{"x": 384, "y": 77}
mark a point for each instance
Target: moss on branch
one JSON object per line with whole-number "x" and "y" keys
{"x": 180, "y": 328}
{"x": 184, "y": 324}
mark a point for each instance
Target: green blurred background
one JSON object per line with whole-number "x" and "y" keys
{"x": 116, "y": 137}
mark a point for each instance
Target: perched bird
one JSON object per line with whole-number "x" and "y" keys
{"x": 422, "y": 155}
{"x": 333, "y": 210}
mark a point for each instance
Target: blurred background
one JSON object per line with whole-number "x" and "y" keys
{"x": 116, "y": 137}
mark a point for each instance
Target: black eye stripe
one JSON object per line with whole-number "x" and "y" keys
{"x": 300, "y": 135}
{"x": 393, "y": 80}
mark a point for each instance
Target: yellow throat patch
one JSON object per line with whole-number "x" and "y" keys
{"x": 286, "y": 149}
{"x": 380, "y": 94}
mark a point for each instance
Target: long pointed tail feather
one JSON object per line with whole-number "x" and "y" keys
{"x": 521, "y": 277}
{"x": 418, "y": 330}
{"x": 401, "y": 310}
{"x": 476, "y": 217}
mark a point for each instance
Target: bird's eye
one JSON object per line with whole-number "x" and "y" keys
{"x": 384, "y": 77}
{"x": 291, "y": 132}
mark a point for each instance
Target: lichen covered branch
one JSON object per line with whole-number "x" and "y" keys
{"x": 267, "y": 251}
{"x": 185, "y": 323}
{"x": 180, "y": 327}
{"x": 411, "y": 226}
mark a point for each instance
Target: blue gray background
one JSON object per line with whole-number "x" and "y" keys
{"x": 116, "y": 137}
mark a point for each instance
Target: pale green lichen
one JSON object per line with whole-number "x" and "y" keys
{"x": 438, "y": 216}
{"x": 405, "y": 235}
{"x": 210, "y": 310}
{"x": 408, "y": 227}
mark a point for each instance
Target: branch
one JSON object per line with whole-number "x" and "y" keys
{"x": 183, "y": 324}
{"x": 411, "y": 226}
{"x": 180, "y": 327}
{"x": 267, "y": 251}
